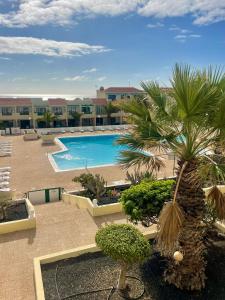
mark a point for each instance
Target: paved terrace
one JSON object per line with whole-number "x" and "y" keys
{"x": 59, "y": 227}
{"x": 31, "y": 168}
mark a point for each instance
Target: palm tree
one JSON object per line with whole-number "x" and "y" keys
{"x": 76, "y": 117}
{"x": 48, "y": 118}
{"x": 187, "y": 120}
{"x": 110, "y": 108}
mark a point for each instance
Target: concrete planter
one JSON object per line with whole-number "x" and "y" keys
{"x": 150, "y": 233}
{"x": 23, "y": 224}
{"x": 95, "y": 211}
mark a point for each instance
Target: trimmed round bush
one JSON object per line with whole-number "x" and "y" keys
{"x": 143, "y": 202}
{"x": 125, "y": 244}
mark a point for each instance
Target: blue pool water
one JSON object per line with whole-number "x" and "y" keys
{"x": 87, "y": 151}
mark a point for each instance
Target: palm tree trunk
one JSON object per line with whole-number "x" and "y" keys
{"x": 190, "y": 272}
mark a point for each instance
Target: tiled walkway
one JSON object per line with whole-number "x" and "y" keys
{"x": 59, "y": 227}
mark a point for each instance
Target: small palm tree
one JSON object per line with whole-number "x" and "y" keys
{"x": 110, "y": 108}
{"x": 48, "y": 118}
{"x": 187, "y": 120}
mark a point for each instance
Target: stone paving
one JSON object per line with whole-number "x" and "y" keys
{"x": 60, "y": 227}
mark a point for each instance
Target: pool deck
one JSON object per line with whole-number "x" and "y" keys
{"x": 59, "y": 227}
{"x": 32, "y": 170}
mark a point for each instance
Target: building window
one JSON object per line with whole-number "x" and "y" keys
{"x": 57, "y": 110}
{"x": 73, "y": 108}
{"x": 23, "y": 110}
{"x": 100, "y": 110}
{"x": 7, "y": 111}
{"x": 86, "y": 109}
{"x": 112, "y": 97}
{"x": 40, "y": 111}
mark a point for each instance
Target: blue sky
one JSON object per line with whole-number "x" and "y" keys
{"x": 73, "y": 46}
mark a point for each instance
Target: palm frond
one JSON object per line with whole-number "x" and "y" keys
{"x": 129, "y": 158}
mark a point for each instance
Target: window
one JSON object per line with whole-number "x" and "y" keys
{"x": 112, "y": 97}
{"x": 87, "y": 109}
{"x": 40, "y": 110}
{"x": 73, "y": 108}
{"x": 57, "y": 110}
{"x": 7, "y": 111}
{"x": 100, "y": 110}
{"x": 23, "y": 110}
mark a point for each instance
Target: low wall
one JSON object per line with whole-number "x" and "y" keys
{"x": 83, "y": 202}
{"x": 19, "y": 225}
{"x": 150, "y": 233}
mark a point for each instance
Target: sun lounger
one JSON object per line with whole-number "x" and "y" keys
{"x": 5, "y": 169}
{"x": 4, "y": 183}
{"x": 4, "y": 177}
{"x": 5, "y": 189}
{"x": 2, "y": 154}
{"x": 6, "y": 173}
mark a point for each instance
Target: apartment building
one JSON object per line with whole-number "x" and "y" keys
{"x": 29, "y": 112}
{"x": 118, "y": 93}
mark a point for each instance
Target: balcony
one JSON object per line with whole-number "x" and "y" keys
{"x": 24, "y": 113}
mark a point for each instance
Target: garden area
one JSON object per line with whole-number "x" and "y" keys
{"x": 186, "y": 260}
{"x": 12, "y": 210}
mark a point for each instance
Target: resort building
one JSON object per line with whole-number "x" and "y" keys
{"x": 28, "y": 112}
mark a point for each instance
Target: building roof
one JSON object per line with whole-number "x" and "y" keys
{"x": 99, "y": 101}
{"x": 126, "y": 90}
{"x": 57, "y": 101}
{"x": 15, "y": 101}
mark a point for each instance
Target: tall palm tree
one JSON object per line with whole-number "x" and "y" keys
{"x": 48, "y": 118}
{"x": 187, "y": 120}
{"x": 110, "y": 108}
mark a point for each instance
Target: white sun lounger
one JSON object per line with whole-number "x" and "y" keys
{"x": 5, "y": 154}
{"x": 4, "y": 183}
{"x": 3, "y": 177}
{"x": 5, "y": 189}
{"x": 5, "y": 169}
{"x": 6, "y": 173}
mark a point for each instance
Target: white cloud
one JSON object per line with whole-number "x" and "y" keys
{"x": 156, "y": 25}
{"x": 64, "y": 12}
{"x": 76, "y": 78}
{"x": 178, "y": 29}
{"x": 101, "y": 78}
{"x": 92, "y": 70}
{"x": 29, "y": 45}
{"x": 203, "y": 11}
{"x": 5, "y": 58}
{"x": 195, "y": 35}
{"x": 183, "y": 37}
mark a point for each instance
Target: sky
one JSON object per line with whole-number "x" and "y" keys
{"x": 72, "y": 47}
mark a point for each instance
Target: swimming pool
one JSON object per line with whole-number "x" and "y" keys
{"x": 86, "y": 152}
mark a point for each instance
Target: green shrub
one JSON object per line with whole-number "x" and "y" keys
{"x": 143, "y": 202}
{"x": 125, "y": 244}
{"x": 94, "y": 185}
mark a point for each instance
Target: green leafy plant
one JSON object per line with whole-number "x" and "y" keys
{"x": 143, "y": 202}
{"x": 125, "y": 244}
{"x": 94, "y": 185}
{"x": 4, "y": 203}
{"x": 137, "y": 176}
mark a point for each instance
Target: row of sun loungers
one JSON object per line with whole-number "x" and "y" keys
{"x": 5, "y": 148}
{"x": 4, "y": 179}
{"x": 82, "y": 129}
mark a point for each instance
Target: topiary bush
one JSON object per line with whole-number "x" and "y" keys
{"x": 125, "y": 244}
{"x": 143, "y": 202}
